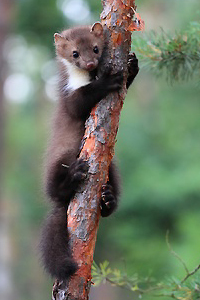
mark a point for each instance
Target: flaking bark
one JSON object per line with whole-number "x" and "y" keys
{"x": 98, "y": 149}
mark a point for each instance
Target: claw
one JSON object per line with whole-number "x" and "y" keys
{"x": 65, "y": 166}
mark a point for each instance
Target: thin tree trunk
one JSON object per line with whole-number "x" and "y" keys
{"x": 3, "y": 34}
{"x": 98, "y": 149}
{"x": 6, "y": 285}
{"x": 6, "y": 15}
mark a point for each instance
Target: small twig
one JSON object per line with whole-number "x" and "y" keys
{"x": 164, "y": 295}
{"x": 175, "y": 254}
{"x": 126, "y": 287}
{"x": 190, "y": 273}
{"x": 129, "y": 287}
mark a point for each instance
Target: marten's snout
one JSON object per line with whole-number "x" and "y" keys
{"x": 90, "y": 66}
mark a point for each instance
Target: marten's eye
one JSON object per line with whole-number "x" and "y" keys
{"x": 75, "y": 54}
{"x": 96, "y": 49}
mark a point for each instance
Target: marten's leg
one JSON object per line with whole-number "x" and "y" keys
{"x": 110, "y": 192}
{"x": 64, "y": 179}
{"x": 133, "y": 68}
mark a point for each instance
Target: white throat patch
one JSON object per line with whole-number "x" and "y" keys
{"x": 76, "y": 76}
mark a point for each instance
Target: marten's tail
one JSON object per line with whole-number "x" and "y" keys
{"x": 54, "y": 246}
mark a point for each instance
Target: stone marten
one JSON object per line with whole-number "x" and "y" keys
{"x": 79, "y": 51}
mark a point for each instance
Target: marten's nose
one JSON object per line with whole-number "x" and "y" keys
{"x": 90, "y": 65}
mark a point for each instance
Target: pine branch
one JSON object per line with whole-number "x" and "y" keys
{"x": 190, "y": 273}
{"x": 177, "y": 56}
{"x": 171, "y": 288}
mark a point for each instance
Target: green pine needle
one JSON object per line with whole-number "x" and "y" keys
{"x": 176, "y": 56}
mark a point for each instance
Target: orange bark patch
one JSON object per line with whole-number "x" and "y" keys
{"x": 116, "y": 38}
{"x": 89, "y": 146}
{"x": 137, "y": 25}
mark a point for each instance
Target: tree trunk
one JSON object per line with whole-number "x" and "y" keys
{"x": 6, "y": 285}
{"x": 4, "y": 23}
{"x": 6, "y": 15}
{"x": 98, "y": 149}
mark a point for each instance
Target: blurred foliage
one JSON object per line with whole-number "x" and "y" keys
{"x": 38, "y": 21}
{"x": 158, "y": 148}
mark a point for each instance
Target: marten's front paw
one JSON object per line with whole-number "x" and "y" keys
{"x": 132, "y": 64}
{"x": 78, "y": 170}
{"x": 113, "y": 82}
{"x": 108, "y": 201}
{"x": 72, "y": 177}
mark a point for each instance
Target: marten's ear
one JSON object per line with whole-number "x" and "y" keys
{"x": 58, "y": 38}
{"x": 97, "y": 29}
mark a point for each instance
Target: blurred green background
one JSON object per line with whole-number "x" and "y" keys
{"x": 158, "y": 148}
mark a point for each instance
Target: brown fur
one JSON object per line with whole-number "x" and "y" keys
{"x": 82, "y": 40}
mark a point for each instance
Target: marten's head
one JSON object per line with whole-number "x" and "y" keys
{"x": 81, "y": 46}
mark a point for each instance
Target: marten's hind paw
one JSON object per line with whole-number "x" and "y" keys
{"x": 108, "y": 201}
{"x": 132, "y": 64}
